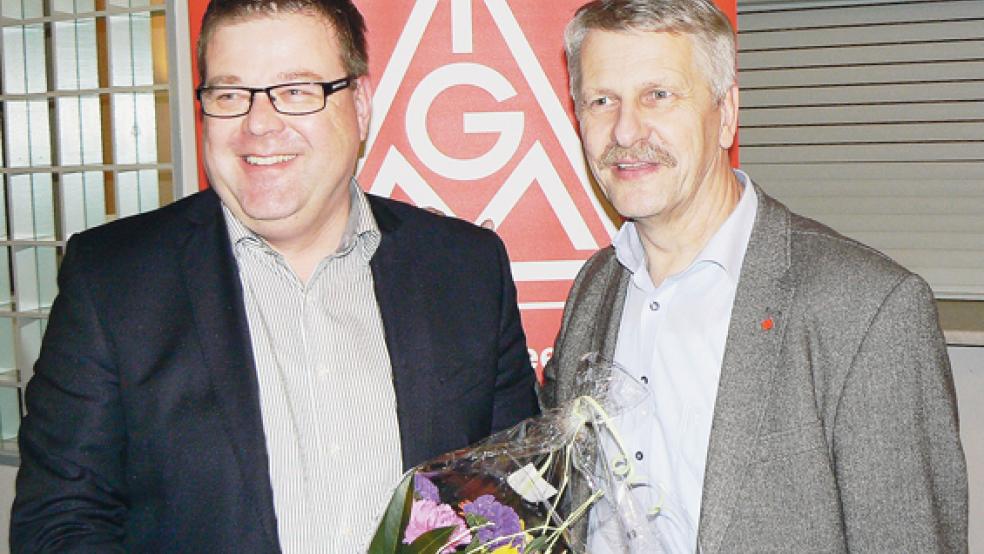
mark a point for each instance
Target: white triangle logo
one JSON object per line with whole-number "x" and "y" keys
{"x": 534, "y": 164}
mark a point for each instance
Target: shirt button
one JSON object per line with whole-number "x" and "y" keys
{"x": 644, "y": 379}
{"x": 654, "y": 306}
{"x": 639, "y": 455}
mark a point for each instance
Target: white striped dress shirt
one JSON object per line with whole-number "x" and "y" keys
{"x": 326, "y": 389}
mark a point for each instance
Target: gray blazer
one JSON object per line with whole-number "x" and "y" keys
{"x": 834, "y": 430}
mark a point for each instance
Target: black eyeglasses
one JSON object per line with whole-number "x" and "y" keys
{"x": 287, "y": 98}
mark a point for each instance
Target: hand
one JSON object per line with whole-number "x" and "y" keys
{"x": 487, "y": 224}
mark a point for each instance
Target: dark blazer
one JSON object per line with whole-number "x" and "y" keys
{"x": 143, "y": 430}
{"x": 835, "y": 425}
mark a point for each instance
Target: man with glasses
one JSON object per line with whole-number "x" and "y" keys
{"x": 251, "y": 369}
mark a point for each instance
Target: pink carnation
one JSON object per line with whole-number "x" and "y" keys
{"x": 426, "y": 515}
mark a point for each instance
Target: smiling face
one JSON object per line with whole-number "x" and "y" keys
{"x": 284, "y": 176}
{"x": 655, "y": 137}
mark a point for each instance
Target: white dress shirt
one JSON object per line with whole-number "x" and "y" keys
{"x": 672, "y": 339}
{"x": 326, "y": 387}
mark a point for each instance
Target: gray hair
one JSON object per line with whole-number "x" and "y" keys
{"x": 711, "y": 31}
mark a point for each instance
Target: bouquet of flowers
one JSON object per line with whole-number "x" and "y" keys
{"x": 530, "y": 489}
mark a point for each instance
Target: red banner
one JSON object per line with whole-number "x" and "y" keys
{"x": 471, "y": 115}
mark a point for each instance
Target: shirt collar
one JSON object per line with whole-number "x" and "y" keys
{"x": 360, "y": 231}
{"x": 726, "y": 248}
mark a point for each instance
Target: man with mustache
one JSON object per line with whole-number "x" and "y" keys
{"x": 803, "y": 395}
{"x": 251, "y": 369}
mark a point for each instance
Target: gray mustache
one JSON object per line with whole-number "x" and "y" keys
{"x": 641, "y": 152}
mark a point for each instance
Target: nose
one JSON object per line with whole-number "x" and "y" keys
{"x": 262, "y": 117}
{"x": 629, "y": 128}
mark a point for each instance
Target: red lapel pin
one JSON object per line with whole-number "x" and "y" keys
{"x": 767, "y": 324}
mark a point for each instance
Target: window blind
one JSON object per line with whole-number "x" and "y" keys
{"x": 869, "y": 116}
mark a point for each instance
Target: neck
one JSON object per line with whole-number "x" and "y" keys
{"x": 304, "y": 253}
{"x": 671, "y": 241}
{"x": 303, "y": 247}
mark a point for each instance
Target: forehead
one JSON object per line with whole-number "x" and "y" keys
{"x": 636, "y": 55}
{"x": 292, "y": 42}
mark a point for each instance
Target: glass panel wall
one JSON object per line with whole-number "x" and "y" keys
{"x": 85, "y": 126}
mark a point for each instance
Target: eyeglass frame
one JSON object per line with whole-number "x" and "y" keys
{"x": 329, "y": 88}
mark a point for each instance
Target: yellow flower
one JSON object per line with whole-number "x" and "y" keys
{"x": 527, "y": 538}
{"x": 506, "y": 550}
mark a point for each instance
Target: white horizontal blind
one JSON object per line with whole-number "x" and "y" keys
{"x": 869, "y": 117}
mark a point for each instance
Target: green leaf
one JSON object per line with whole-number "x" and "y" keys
{"x": 407, "y": 505}
{"x": 390, "y": 530}
{"x": 475, "y": 520}
{"x": 430, "y": 542}
{"x": 475, "y": 545}
{"x": 537, "y": 545}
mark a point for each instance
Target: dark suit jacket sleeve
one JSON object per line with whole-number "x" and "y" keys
{"x": 899, "y": 464}
{"x": 71, "y": 486}
{"x": 515, "y": 398}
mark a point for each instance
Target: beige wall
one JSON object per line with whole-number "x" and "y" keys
{"x": 7, "y": 475}
{"x": 968, "y": 374}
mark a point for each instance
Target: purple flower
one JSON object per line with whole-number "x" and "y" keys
{"x": 502, "y": 519}
{"x": 426, "y": 515}
{"x": 425, "y": 488}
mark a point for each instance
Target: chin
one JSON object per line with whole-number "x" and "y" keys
{"x": 632, "y": 205}
{"x": 270, "y": 213}
{"x": 266, "y": 207}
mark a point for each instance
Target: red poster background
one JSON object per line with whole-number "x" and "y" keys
{"x": 472, "y": 115}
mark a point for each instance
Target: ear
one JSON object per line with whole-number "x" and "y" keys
{"x": 362, "y": 96}
{"x": 729, "y": 118}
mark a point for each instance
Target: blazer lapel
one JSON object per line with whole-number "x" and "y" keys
{"x": 750, "y": 358}
{"x": 609, "y": 321}
{"x": 610, "y": 316}
{"x": 212, "y": 281}
{"x": 406, "y": 337}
